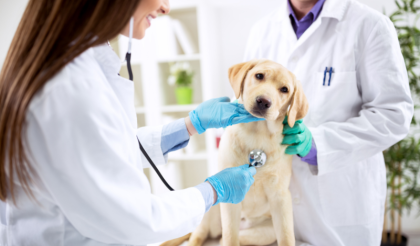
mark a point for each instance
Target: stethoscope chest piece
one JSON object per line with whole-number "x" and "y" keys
{"x": 257, "y": 158}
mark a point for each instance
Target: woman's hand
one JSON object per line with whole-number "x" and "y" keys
{"x": 232, "y": 184}
{"x": 219, "y": 112}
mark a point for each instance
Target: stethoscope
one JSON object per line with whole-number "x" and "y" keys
{"x": 257, "y": 158}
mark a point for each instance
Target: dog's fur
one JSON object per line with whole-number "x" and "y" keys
{"x": 265, "y": 215}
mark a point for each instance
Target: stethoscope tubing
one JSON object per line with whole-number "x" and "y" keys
{"x": 154, "y": 166}
{"x": 130, "y": 76}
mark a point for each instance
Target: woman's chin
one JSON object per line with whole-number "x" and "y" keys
{"x": 139, "y": 35}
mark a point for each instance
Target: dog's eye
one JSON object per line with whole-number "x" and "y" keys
{"x": 284, "y": 89}
{"x": 259, "y": 76}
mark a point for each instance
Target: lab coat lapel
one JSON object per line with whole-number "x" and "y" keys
{"x": 286, "y": 26}
{"x": 289, "y": 33}
{"x": 308, "y": 33}
{"x": 123, "y": 88}
{"x": 282, "y": 39}
{"x": 331, "y": 9}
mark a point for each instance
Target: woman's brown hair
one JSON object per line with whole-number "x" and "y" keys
{"x": 51, "y": 34}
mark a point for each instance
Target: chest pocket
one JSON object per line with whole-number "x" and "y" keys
{"x": 336, "y": 99}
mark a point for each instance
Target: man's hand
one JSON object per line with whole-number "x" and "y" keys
{"x": 298, "y": 137}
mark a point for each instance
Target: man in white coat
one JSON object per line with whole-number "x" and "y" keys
{"x": 348, "y": 59}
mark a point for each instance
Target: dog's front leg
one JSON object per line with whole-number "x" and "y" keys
{"x": 280, "y": 201}
{"x": 231, "y": 217}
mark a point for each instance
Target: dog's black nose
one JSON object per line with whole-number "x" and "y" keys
{"x": 263, "y": 103}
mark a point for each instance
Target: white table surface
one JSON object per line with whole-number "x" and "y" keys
{"x": 212, "y": 242}
{"x": 413, "y": 241}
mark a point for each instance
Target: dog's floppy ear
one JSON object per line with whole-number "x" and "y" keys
{"x": 299, "y": 106}
{"x": 237, "y": 74}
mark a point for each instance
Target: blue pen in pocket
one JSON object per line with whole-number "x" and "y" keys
{"x": 329, "y": 80}
{"x": 325, "y": 73}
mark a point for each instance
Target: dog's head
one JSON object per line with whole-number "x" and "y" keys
{"x": 268, "y": 89}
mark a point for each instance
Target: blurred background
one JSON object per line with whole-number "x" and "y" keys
{"x": 183, "y": 61}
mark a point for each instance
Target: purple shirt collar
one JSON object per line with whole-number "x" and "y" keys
{"x": 300, "y": 26}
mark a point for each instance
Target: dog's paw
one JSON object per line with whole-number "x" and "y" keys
{"x": 195, "y": 242}
{"x": 176, "y": 241}
{"x": 227, "y": 243}
{"x": 221, "y": 241}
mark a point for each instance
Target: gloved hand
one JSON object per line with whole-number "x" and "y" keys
{"x": 219, "y": 112}
{"x": 233, "y": 183}
{"x": 298, "y": 137}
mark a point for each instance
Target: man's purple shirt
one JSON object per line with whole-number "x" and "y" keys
{"x": 300, "y": 26}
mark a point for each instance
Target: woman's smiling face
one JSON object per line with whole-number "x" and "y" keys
{"x": 145, "y": 12}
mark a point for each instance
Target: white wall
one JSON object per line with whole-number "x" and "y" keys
{"x": 10, "y": 13}
{"x": 235, "y": 22}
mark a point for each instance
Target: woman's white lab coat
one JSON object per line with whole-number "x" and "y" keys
{"x": 366, "y": 109}
{"x": 89, "y": 185}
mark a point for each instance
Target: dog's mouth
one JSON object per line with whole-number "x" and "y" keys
{"x": 263, "y": 113}
{"x": 257, "y": 113}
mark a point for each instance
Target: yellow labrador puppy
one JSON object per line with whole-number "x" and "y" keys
{"x": 270, "y": 91}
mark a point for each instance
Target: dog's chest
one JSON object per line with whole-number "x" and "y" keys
{"x": 269, "y": 178}
{"x": 242, "y": 140}
{"x": 255, "y": 206}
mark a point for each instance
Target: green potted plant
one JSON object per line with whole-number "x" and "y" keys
{"x": 181, "y": 75}
{"x": 403, "y": 159}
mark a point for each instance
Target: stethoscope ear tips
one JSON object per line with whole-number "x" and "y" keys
{"x": 257, "y": 158}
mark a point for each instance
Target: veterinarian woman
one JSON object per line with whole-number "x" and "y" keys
{"x": 349, "y": 61}
{"x": 70, "y": 165}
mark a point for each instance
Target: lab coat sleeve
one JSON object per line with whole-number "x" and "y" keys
{"x": 86, "y": 155}
{"x": 150, "y": 138}
{"x": 173, "y": 136}
{"x": 387, "y": 107}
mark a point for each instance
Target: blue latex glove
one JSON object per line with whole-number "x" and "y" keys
{"x": 298, "y": 137}
{"x": 233, "y": 183}
{"x": 219, "y": 112}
